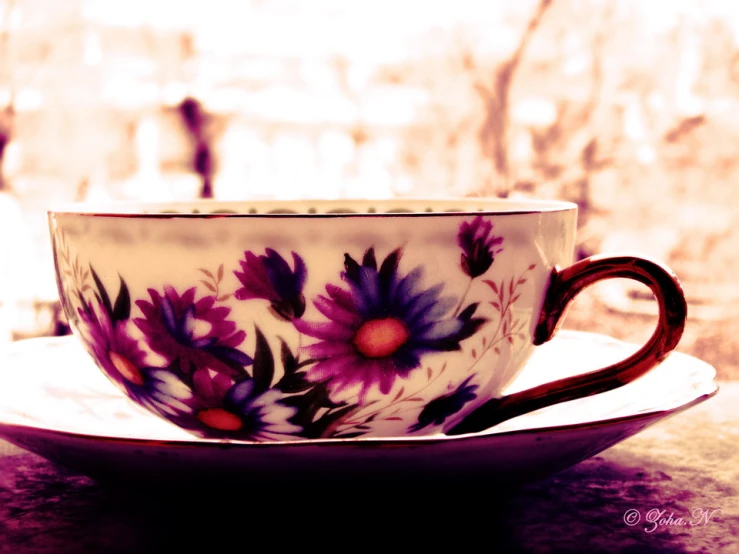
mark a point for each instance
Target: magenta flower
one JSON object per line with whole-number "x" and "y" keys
{"x": 270, "y": 278}
{"x": 246, "y": 413}
{"x": 380, "y": 328}
{"x": 194, "y": 333}
{"x": 121, "y": 359}
{"x": 118, "y": 355}
{"x": 479, "y": 246}
{"x": 222, "y": 408}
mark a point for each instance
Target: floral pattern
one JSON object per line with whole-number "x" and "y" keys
{"x": 441, "y": 408}
{"x": 195, "y": 333}
{"x": 269, "y": 277}
{"x": 479, "y": 246}
{"x": 362, "y": 353}
{"x": 379, "y": 329}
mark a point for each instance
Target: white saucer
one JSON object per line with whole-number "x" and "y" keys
{"x": 56, "y": 403}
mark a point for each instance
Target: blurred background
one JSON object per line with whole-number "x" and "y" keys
{"x": 629, "y": 108}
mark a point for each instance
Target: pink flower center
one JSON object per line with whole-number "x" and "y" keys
{"x": 380, "y": 338}
{"x": 126, "y": 368}
{"x": 218, "y": 418}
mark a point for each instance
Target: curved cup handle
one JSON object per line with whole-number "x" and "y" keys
{"x": 565, "y": 285}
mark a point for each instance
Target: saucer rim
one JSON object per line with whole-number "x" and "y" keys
{"x": 132, "y": 209}
{"x": 360, "y": 442}
{"x": 706, "y": 388}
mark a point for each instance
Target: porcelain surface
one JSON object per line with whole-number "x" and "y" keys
{"x": 55, "y": 402}
{"x": 275, "y": 325}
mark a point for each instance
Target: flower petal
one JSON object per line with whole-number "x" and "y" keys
{"x": 405, "y": 288}
{"x": 341, "y": 367}
{"x": 441, "y": 330}
{"x": 329, "y": 331}
{"x": 326, "y": 348}
{"x": 342, "y": 297}
{"x": 337, "y": 313}
{"x": 369, "y": 283}
{"x": 419, "y": 304}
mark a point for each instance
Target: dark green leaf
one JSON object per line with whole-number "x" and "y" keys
{"x": 289, "y": 363}
{"x": 263, "y": 369}
{"x": 293, "y": 383}
{"x": 102, "y": 294}
{"x": 306, "y": 362}
{"x": 122, "y": 308}
{"x": 317, "y": 428}
{"x": 349, "y": 435}
{"x": 309, "y": 403}
{"x": 468, "y": 312}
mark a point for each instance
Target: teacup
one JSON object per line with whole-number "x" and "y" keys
{"x": 274, "y": 321}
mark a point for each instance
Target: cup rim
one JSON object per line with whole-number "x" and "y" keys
{"x": 314, "y": 208}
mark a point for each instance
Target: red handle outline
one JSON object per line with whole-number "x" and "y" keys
{"x": 564, "y": 285}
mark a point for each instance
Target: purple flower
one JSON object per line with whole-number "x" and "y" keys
{"x": 380, "y": 328}
{"x": 164, "y": 393}
{"x": 195, "y": 334}
{"x": 117, "y": 354}
{"x": 439, "y": 409}
{"x": 479, "y": 246}
{"x": 216, "y": 406}
{"x": 269, "y": 277}
{"x": 246, "y": 413}
{"x": 197, "y": 341}
{"x": 123, "y": 362}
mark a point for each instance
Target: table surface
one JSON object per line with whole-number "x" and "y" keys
{"x": 680, "y": 478}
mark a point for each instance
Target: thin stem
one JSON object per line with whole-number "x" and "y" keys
{"x": 464, "y": 296}
{"x": 505, "y": 315}
{"x": 402, "y": 399}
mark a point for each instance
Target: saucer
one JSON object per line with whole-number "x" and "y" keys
{"x": 56, "y": 403}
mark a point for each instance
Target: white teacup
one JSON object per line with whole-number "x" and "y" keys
{"x": 296, "y": 320}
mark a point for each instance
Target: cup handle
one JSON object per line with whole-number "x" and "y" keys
{"x": 565, "y": 284}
